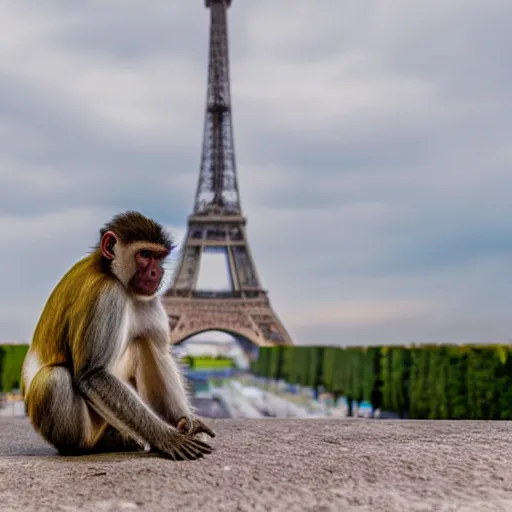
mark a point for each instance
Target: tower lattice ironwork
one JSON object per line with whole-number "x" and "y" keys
{"x": 217, "y": 224}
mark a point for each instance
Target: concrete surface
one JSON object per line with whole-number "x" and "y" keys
{"x": 13, "y": 409}
{"x": 275, "y": 465}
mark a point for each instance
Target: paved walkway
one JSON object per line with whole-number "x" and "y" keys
{"x": 275, "y": 465}
{"x": 12, "y": 409}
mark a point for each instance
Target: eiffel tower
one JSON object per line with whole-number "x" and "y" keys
{"x": 218, "y": 225}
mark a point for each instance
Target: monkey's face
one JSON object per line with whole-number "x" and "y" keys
{"x": 149, "y": 271}
{"x": 137, "y": 265}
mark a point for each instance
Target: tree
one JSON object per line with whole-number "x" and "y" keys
{"x": 2, "y": 358}
{"x": 12, "y": 363}
{"x": 399, "y": 380}
{"x": 385, "y": 375}
{"x": 419, "y": 390}
{"x": 456, "y": 383}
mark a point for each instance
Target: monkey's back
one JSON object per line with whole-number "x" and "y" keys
{"x": 64, "y": 316}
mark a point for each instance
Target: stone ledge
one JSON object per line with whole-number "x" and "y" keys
{"x": 276, "y": 465}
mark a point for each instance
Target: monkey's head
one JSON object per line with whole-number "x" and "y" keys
{"x": 134, "y": 248}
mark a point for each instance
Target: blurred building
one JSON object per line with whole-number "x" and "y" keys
{"x": 213, "y": 348}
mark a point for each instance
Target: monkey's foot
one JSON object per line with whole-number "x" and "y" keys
{"x": 193, "y": 426}
{"x": 180, "y": 447}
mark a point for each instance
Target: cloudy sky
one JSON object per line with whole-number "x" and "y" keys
{"x": 372, "y": 139}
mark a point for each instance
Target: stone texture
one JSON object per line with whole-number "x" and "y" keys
{"x": 275, "y": 465}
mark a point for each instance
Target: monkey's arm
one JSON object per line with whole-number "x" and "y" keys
{"x": 120, "y": 407}
{"x": 93, "y": 356}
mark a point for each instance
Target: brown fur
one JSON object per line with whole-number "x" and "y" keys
{"x": 98, "y": 372}
{"x": 134, "y": 227}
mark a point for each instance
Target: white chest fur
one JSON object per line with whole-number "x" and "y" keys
{"x": 144, "y": 318}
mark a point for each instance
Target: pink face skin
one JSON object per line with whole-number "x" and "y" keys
{"x": 149, "y": 273}
{"x": 149, "y": 261}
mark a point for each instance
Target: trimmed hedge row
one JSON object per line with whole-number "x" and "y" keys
{"x": 202, "y": 362}
{"x": 427, "y": 382}
{"x": 11, "y": 359}
{"x": 12, "y": 356}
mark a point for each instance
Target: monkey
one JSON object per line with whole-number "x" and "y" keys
{"x": 98, "y": 375}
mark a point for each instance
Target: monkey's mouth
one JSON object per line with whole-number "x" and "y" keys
{"x": 148, "y": 286}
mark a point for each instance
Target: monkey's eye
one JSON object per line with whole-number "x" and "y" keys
{"x": 145, "y": 253}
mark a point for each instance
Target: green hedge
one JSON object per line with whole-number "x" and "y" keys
{"x": 205, "y": 362}
{"x": 11, "y": 360}
{"x": 428, "y": 382}
{"x": 12, "y": 356}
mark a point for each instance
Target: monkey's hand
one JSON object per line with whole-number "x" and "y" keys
{"x": 177, "y": 446}
{"x": 193, "y": 426}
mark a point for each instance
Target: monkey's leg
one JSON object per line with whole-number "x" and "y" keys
{"x": 113, "y": 440}
{"x": 160, "y": 385}
{"x": 159, "y": 382}
{"x": 60, "y": 414}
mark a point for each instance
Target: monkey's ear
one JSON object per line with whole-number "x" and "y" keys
{"x": 108, "y": 240}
